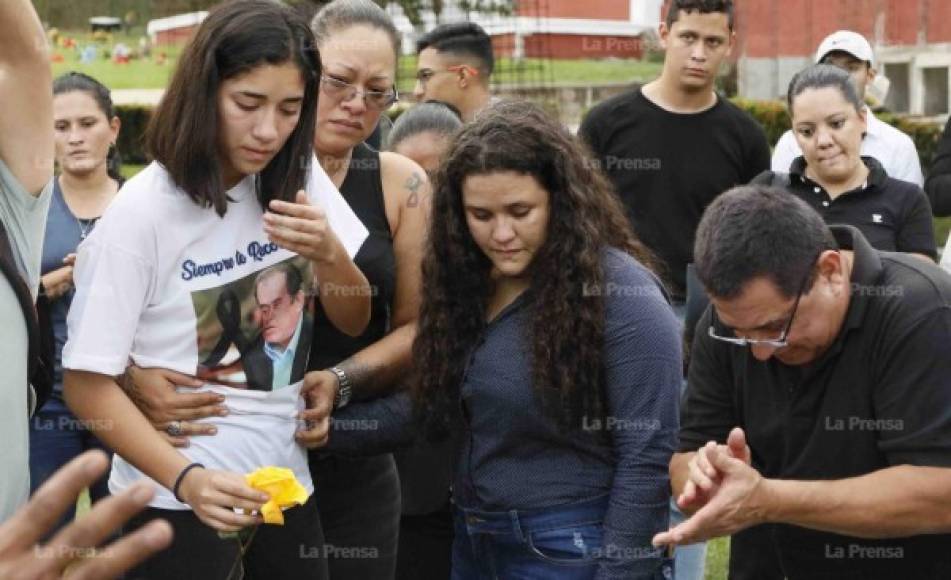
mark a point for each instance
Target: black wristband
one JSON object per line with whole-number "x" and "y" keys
{"x": 181, "y": 476}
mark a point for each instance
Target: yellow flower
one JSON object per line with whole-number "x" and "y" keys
{"x": 282, "y": 486}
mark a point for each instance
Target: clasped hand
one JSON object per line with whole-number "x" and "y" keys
{"x": 727, "y": 492}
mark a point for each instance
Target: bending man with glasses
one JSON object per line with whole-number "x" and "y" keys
{"x": 816, "y": 426}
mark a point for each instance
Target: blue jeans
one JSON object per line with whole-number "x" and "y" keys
{"x": 559, "y": 543}
{"x": 56, "y": 437}
{"x": 689, "y": 560}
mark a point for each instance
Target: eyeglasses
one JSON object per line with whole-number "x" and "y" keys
{"x": 268, "y": 310}
{"x": 423, "y": 75}
{"x": 779, "y": 342}
{"x": 344, "y": 91}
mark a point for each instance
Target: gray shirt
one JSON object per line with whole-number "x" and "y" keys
{"x": 24, "y": 218}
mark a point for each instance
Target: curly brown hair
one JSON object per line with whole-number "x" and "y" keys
{"x": 567, "y": 323}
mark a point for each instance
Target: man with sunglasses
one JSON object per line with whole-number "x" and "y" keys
{"x": 454, "y": 65}
{"x": 816, "y": 426}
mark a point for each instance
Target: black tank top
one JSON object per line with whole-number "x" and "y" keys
{"x": 363, "y": 190}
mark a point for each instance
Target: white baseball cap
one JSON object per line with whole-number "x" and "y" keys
{"x": 846, "y": 41}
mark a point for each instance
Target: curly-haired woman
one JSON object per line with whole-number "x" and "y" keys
{"x": 547, "y": 350}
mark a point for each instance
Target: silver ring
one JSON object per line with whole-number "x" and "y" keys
{"x": 174, "y": 428}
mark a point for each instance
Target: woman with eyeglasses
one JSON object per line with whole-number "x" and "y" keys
{"x": 828, "y": 121}
{"x": 359, "y": 500}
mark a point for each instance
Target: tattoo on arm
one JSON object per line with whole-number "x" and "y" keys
{"x": 412, "y": 185}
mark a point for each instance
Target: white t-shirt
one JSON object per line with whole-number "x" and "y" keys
{"x": 892, "y": 148}
{"x": 165, "y": 283}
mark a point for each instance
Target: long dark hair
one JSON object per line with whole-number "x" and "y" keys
{"x": 183, "y": 133}
{"x": 567, "y": 326}
{"x": 78, "y": 82}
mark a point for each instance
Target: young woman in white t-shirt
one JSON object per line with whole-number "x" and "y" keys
{"x": 174, "y": 277}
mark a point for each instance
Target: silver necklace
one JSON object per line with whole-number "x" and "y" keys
{"x": 85, "y": 224}
{"x": 84, "y": 230}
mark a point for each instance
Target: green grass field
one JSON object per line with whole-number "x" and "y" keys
{"x": 147, "y": 73}
{"x": 142, "y": 73}
{"x": 535, "y": 72}
{"x": 135, "y": 75}
{"x": 128, "y": 170}
{"x": 718, "y": 559}
{"x": 941, "y": 228}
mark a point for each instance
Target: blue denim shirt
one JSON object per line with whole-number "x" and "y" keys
{"x": 512, "y": 456}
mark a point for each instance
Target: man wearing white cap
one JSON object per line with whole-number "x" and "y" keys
{"x": 892, "y": 148}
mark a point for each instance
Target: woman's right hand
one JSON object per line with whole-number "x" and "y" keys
{"x": 154, "y": 392}
{"x": 214, "y": 494}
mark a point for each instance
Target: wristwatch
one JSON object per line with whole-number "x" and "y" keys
{"x": 344, "y": 387}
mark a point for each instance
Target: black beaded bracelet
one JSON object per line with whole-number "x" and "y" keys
{"x": 181, "y": 476}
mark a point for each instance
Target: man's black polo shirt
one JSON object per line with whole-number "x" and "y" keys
{"x": 879, "y": 397}
{"x": 893, "y": 215}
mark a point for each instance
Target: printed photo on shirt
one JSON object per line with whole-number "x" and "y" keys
{"x": 255, "y": 332}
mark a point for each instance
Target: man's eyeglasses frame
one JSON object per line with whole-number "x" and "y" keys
{"x": 779, "y": 342}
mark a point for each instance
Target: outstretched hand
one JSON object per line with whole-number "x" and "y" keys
{"x": 73, "y": 550}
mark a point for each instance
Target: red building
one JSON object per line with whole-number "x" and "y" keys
{"x": 571, "y": 29}
{"x": 174, "y": 29}
{"x": 911, "y": 39}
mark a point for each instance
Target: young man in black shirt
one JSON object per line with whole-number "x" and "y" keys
{"x": 817, "y": 423}
{"x": 673, "y": 145}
